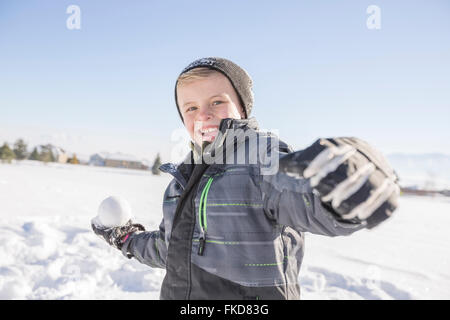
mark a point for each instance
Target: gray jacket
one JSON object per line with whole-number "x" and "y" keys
{"x": 246, "y": 236}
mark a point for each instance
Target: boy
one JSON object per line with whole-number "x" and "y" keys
{"x": 235, "y": 229}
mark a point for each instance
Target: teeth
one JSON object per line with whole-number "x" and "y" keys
{"x": 208, "y": 130}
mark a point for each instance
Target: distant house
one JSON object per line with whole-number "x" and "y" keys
{"x": 146, "y": 165}
{"x": 115, "y": 160}
{"x": 59, "y": 154}
{"x": 97, "y": 159}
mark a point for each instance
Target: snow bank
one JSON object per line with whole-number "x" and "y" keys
{"x": 60, "y": 258}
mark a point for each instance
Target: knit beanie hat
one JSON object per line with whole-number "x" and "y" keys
{"x": 239, "y": 78}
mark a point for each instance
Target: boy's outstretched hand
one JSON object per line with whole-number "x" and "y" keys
{"x": 350, "y": 176}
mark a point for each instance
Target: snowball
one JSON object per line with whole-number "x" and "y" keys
{"x": 114, "y": 211}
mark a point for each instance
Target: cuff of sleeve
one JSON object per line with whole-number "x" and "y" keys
{"x": 127, "y": 245}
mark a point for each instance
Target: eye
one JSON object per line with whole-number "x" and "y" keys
{"x": 190, "y": 109}
{"x": 215, "y": 103}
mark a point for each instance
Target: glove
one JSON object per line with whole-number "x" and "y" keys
{"x": 116, "y": 236}
{"x": 351, "y": 178}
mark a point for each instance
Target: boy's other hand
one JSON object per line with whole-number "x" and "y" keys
{"x": 350, "y": 176}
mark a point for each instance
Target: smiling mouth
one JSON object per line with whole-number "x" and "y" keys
{"x": 209, "y": 134}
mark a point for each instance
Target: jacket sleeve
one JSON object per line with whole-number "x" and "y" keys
{"x": 292, "y": 202}
{"x": 147, "y": 247}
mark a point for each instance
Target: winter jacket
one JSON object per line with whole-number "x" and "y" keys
{"x": 234, "y": 230}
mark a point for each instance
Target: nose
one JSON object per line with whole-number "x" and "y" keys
{"x": 204, "y": 114}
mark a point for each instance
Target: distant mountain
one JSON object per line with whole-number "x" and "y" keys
{"x": 427, "y": 170}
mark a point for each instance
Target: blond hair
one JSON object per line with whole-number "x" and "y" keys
{"x": 195, "y": 74}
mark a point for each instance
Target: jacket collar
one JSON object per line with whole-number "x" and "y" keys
{"x": 181, "y": 171}
{"x": 224, "y": 127}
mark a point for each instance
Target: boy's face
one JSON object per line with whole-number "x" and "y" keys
{"x": 204, "y": 102}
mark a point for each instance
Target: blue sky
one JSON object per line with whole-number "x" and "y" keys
{"x": 318, "y": 71}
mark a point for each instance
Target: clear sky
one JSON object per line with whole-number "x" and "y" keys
{"x": 318, "y": 70}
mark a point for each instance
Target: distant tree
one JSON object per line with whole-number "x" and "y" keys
{"x": 20, "y": 149}
{"x": 34, "y": 155}
{"x": 156, "y": 165}
{"x": 6, "y": 154}
{"x": 74, "y": 159}
{"x": 47, "y": 154}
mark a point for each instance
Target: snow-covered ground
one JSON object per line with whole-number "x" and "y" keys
{"x": 48, "y": 251}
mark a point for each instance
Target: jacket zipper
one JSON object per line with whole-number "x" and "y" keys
{"x": 285, "y": 253}
{"x": 202, "y": 217}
